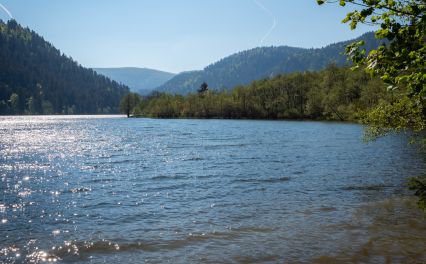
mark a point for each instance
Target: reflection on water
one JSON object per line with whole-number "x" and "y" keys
{"x": 108, "y": 189}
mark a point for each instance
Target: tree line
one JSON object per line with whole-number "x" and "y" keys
{"x": 335, "y": 93}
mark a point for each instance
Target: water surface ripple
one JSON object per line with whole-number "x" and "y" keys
{"x": 94, "y": 189}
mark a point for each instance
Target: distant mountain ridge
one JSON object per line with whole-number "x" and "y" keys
{"x": 140, "y": 80}
{"x": 246, "y": 66}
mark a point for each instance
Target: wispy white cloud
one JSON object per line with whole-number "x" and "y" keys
{"x": 6, "y": 10}
{"x": 274, "y": 21}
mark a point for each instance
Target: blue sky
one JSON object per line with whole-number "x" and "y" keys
{"x": 177, "y": 35}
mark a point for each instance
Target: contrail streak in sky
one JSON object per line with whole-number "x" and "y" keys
{"x": 274, "y": 23}
{"x": 7, "y": 11}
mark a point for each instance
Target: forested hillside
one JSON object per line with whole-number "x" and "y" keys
{"x": 335, "y": 93}
{"x": 247, "y": 66}
{"x": 140, "y": 80}
{"x": 35, "y": 78}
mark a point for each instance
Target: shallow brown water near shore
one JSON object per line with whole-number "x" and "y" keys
{"x": 387, "y": 231}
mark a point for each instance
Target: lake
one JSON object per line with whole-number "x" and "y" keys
{"x": 107, "y": 189}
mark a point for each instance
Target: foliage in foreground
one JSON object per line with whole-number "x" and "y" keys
{"x": 401, "y": 63}
{"x": 418, "y": 184}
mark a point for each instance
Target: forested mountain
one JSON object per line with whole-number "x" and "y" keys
{"x": 258, "y": 63}
{"x": 35, "y": 78}
{"x": 139, "y": 80}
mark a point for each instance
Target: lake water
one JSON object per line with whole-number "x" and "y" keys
{"x": 93, "y": 189}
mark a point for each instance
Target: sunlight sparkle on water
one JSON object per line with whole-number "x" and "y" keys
{"x": 92, "y": 189}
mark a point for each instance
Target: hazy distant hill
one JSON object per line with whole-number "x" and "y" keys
{"x": 243, "y": 67}
{"x": 36, "y": 78}
{"x": 139, "y": 80}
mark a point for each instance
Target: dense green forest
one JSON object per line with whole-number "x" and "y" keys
{"x": 35, "y": 78}
{"x": 335, "y": 93}
{"x": 264, "y": 62}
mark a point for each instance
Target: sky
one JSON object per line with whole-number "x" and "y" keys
{"x": 177, "y": 35}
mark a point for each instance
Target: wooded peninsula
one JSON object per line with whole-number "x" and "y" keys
{"x": 335, "y": 93}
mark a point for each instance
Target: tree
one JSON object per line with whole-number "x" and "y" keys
{"x": 4, "y": 108}
{"x": 47, "y": 107}
{"x": 30, "y": 105}
{"x": 14, "y": 103}
{"x": 400, "y": 61}
{"x": 203, "y": 88}
{"x": 128, "y": 103}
